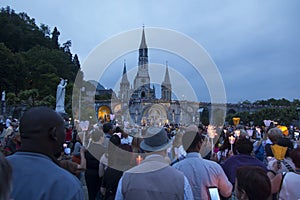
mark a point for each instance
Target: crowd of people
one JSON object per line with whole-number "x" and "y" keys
{"x": 43, "y": 157}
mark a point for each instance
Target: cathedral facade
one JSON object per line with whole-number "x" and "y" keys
{"x": 139, "y": 98}
{"x": 137, "y": 102}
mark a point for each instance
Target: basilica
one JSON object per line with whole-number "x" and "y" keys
{"x": 138, "y": 103}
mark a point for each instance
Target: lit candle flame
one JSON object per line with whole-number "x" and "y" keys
{"x": 139, "y": 159}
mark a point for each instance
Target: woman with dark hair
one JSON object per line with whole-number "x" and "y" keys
{"x": 252, "y": 183}
{"x": 224, "y": 150}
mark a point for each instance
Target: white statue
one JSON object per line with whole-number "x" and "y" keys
{"x": 3, "y": 96}
{"x": 60, "y": 96}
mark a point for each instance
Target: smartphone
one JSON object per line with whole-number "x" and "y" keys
{"x": 213, "y": 193}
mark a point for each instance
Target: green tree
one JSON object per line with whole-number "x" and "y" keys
{"x": 55, "y": 35}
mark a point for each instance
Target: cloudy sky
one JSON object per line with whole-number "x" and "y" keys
{"x": 254, "y": 44}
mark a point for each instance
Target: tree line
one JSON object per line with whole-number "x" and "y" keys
{"x": 32, "y": 61}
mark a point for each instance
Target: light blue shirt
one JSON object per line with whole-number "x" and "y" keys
{"x": 188, "y": 194}
{"x": 203, "y": 173}
{"x": 36, "y": 176}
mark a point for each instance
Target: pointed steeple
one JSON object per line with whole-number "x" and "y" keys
{"x": 124, "y": 69}
{"x": 142, "y": 77}
{"x": 166, "y": 87}
{"x": 124, "y": 76}
{"x": 167, "y": 76}
{"x": 143, "y": 44}
{"x": 124, "y": 85}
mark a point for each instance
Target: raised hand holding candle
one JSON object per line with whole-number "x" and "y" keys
{"x": 211, "y": 131}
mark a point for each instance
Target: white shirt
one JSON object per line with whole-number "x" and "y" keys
{"x": 289, "y": 189}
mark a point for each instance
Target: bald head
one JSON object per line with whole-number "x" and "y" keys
{"x": 42, "y": 128}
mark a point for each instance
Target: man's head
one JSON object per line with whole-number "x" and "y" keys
{"x": 244, "y": 146}
{"x": 274, "y": 134}
{"x": 42, "y": 130}
{"x": 191, "y": 141}
{"x": 108, "y": 128}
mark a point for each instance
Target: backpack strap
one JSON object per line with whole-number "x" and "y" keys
{"x": 258, "y": 148}
{"x": 283, "y": 175}
{"x": 288, "y": 166}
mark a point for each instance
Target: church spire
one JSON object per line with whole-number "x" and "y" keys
{"x": 166, "y": 88}
{"x": 124, "y": 80}
{"x": 124, "y": 69}
{"x": 167, "y": 76}
{"x": 124, "y": 85}
{"x": 142, "y": 77}
{"x": 143, "y": 44}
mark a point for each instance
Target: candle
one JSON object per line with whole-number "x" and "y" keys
{"x": 237, "y": 133}
{"x": 139, "y": 159}
{"x": 211, "y": 131}
{"x": 90, "y": 140}
{"x": 83, "y": 139}
{"x": 231, "y": 141}
{"x": 212, "y": 146}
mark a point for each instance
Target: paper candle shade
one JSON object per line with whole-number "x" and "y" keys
{"x": 236, "y": 120}
{"x": 84, "y": 125}
{"x": 284, "y": 130}
{"x": 278, "y": 151}
{"x": 267, "y": 122}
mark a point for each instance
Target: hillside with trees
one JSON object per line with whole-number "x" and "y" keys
{"x": 32, "y": 62}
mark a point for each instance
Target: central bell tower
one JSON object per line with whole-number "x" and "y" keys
{"x": 142, "y": 77}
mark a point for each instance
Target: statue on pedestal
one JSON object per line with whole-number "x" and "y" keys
{"x": 60, "y": 96}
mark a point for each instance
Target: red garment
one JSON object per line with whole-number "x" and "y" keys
{"x": 69, "y": 135}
